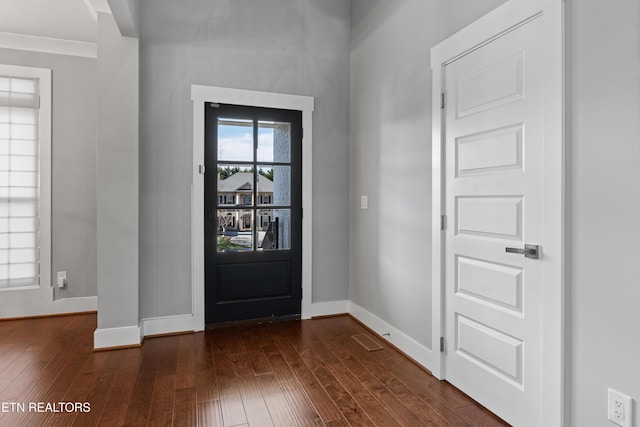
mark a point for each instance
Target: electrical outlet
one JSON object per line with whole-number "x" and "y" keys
{"x": 620, "y": 408}
{"x": 62, "y": 279}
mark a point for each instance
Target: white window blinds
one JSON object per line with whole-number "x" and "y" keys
{"x": 19, "y": 182}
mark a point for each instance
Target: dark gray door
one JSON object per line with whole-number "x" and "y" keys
{"x": 253, "y": 212}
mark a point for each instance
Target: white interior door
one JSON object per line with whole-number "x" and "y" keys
{"x": 494, "y": 199}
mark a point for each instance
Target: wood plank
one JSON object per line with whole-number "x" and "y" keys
{"x": 123, "y": 384}
{"x": 162, "y": 398}
{"x": 97, "y": 398}
{"x": 185, "y": 367}
{"x": 207, "y": 386}
{"x": 203, "y": 355}
{"x": 185, "y": 403}
{"x": 347, "y": 405}
{"x": 210, "y": 414}
{"x": 367, "y": 401}
{"x": 255, "y": 406}
{"x": 140, "y": 402}
{"x": 230, "y": 400}
{"x": 279, "y": 366}
{"x": 300, "y": 404}
{"x": 281, "y": 413}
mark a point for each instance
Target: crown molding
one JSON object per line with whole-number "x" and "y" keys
{"x": 48, "y": 45}
{"x": 97, "y": 6}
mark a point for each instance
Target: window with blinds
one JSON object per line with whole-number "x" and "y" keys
{"x": 19, "y": 181}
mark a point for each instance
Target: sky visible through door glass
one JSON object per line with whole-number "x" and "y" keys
{"x": 235, "y": 141}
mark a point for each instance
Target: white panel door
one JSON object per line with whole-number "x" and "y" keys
{"x": 494, "y": 164}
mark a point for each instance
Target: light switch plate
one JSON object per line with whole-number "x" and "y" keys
{"x": 364, "y": 202}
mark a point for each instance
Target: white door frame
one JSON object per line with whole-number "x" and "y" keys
{"x": 200, "y": 95}
{"x": 500, "y": 21}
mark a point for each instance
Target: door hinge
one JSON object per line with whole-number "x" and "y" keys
{"x": 201, "y": 169}
{"x": 214, "y": 105}
{"x": 443, "y": 222}
{"x": 443, "y": 345}
{"x": 442, "y": 100}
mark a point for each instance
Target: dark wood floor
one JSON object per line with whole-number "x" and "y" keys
{"x": 275, "y": 374}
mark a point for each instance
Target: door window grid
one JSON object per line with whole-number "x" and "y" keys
{"x": 261, "y": 164}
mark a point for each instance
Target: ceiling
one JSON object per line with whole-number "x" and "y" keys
{"x": 61, "y": 19}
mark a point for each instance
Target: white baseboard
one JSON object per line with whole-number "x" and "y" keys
{"x": 329, "y": 308}
{"x": 404, "y": 342}
{"x": 75, "y": 305}
{"x": 116, "y": 337}
{"x": 132, "y": 335}
{"x": 38, "y": 301}
{"x": 167, "y": 325}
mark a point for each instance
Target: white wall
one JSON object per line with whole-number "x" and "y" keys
{"x": 604, "y": 122}
{"x": 295, "y": 47}
{"x": 390, "y": 149}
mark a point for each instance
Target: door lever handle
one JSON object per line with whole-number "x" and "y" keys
{"x": 529, "y": 251}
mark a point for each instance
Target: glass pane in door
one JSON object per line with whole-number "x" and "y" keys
{"x": 274, "y": 229}
{"x": 274, "y": 142}
{"x": 235, "y": 184}
{"x": 235, "y": 140}
{"x": 235, "y": 230}
{"x": 274, "y": 185}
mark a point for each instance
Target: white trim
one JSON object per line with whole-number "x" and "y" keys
{"x": 404, "y": 342}
{"x": 116, "y": 337}
{"x": 466, "y": 40}
{"x": 92, "y": 10}
{"x": 167, "y": 325}
{"x": 36, "y": 301}
{"x": 98, "y": 6}
{"x": 329, "y": 308}
{"x": 126, "y": 14}
{"x": 44, "y": 141}
{"x": 75, "y": 305}
{"x": 437, "y": 206}
{"x": 200, "y": 95}
{"x": 48, "y": 45}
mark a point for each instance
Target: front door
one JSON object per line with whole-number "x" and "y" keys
{"x": 253, "y": 212}
{"x": 494, "y": 175}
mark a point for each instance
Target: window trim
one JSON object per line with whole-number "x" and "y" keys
{"x": 44, "y": 168}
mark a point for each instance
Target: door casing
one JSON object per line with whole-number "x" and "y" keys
{"x": 201, "y": 94}
{"x": 491, "y": 26}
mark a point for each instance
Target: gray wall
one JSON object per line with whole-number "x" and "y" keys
{"x": 290, "y": 46}
{"x": 391, "y": 157}
{"x": 390, "y": 148}
{"x": 604, "y": 121}
{"x": 117, "y": 177}
{"x": 74, "y": 111}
